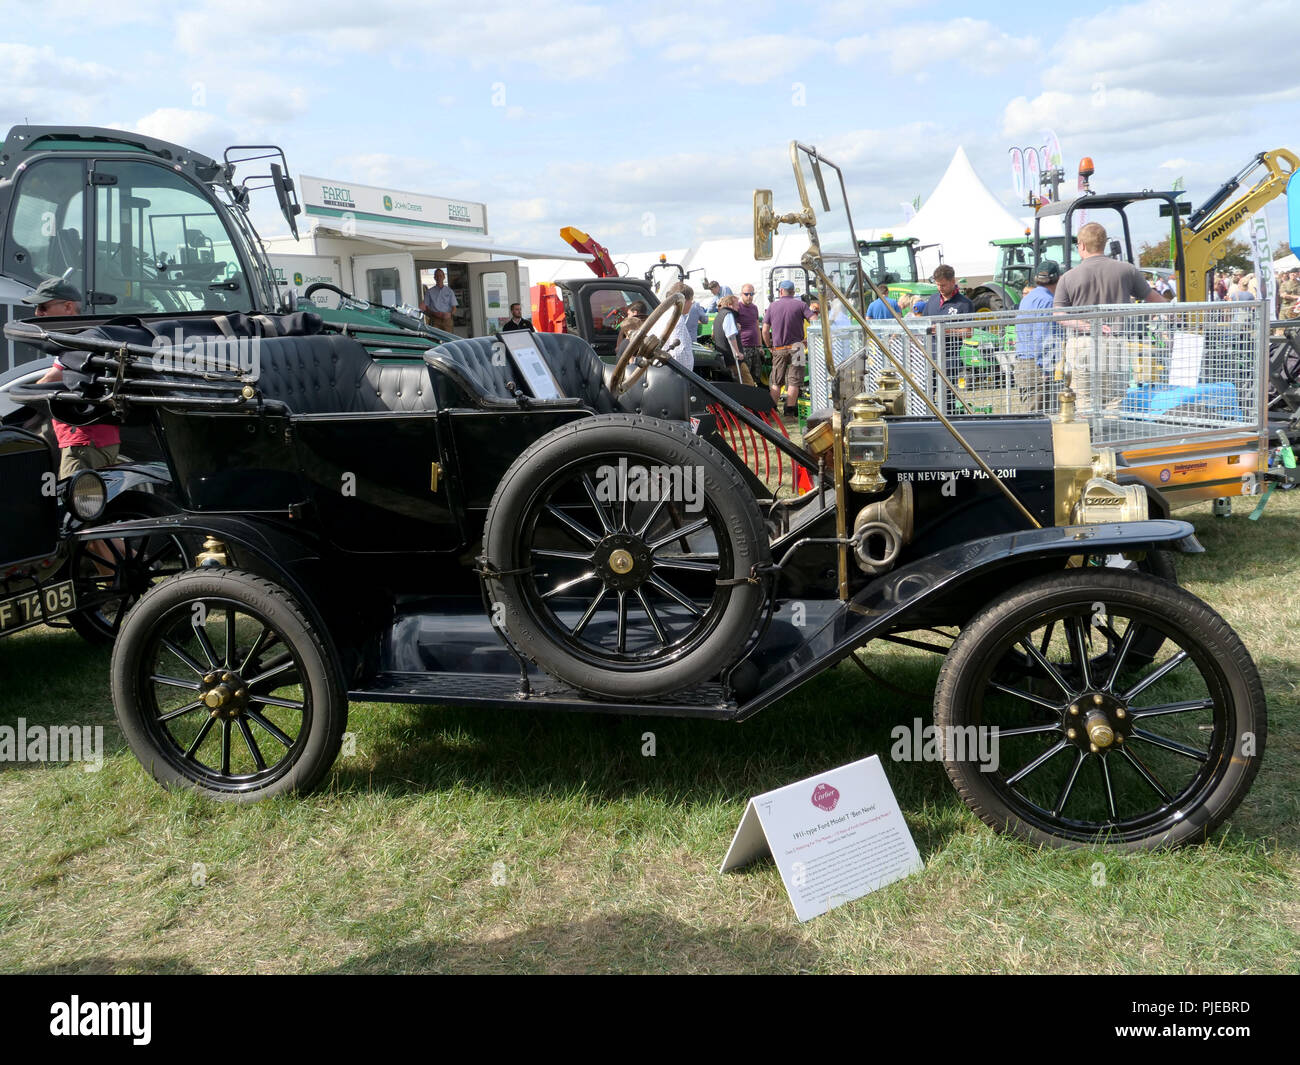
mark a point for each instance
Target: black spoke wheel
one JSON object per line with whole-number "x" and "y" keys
{"x": 1093, "y": 742}
{"x": 111, "y": 575}
{"x": 624, "y": 547}
{"x": 221, "y": 684}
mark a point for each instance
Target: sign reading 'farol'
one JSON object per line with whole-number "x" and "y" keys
{"x": 330, "y": 198}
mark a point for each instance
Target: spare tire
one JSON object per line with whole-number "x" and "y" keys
{"x": 611, "y": 545}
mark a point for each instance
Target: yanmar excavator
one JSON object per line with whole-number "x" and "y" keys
{"x": 1210, "y": 225}
{"x": 1198, "y": 243}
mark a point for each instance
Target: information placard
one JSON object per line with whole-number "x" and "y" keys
{"x": 530, "y": 364}
{"x": 834, "y": 837}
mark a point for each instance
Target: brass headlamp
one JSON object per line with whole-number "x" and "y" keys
{"x": 866, "y": 443}
{"x": 889, "y": 390}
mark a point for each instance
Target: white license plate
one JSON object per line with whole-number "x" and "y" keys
{"x": 35, "y": 607}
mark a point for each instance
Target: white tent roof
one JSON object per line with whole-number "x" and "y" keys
{"x": 1287, "y": 262}
{"x": 423, "y": 239}
{"x": 963, "y": 216}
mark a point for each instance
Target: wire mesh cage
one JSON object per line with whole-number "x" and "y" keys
{"x": 1139, "y": 373}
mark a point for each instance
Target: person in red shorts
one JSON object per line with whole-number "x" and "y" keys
{"x": 81, "y": 447}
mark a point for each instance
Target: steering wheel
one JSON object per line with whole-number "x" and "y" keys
{"x": 646, "y": 345}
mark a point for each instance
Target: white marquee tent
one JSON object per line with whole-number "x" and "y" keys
{"x": 962, "y": 216}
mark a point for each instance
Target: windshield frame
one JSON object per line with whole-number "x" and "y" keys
{"x": 837, "y": 262}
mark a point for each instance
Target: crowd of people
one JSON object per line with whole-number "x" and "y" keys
{"x": 1046, "y": 347}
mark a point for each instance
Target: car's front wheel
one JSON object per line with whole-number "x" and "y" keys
{"x": 1058, "y": 728}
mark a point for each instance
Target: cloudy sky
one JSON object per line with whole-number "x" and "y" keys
{"x": 650, "y": 124}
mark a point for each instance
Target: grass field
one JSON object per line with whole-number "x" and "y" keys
{"x": 476, "y": 841}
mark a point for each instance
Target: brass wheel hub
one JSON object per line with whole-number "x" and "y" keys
{"x": 224, "y": 695}
{"x": 1097, "y": 722}
{"x": 622, "y": 561}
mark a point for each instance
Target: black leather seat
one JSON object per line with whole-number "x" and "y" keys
{"x": 309, "y": 371}
{"x": 478, "y": 373}
{"x": 466, "y": 373}
{"x": 331, "y": 374}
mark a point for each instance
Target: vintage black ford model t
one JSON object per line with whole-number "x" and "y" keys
{"x": 514, "y": 523}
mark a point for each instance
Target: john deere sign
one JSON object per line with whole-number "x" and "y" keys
{"x": 335, "y": 199}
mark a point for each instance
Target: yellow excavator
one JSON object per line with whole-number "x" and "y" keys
{"x": 1208, "y": 228}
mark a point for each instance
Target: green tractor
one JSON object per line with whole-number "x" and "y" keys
{"x": 892, "y": 262}
{"x": 1015, "y": 270}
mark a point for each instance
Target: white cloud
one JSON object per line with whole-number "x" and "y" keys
{"x": 43, "y": 86}
{"x": 974, "y": 44}
{"x": 749, "y": 60}
{"x": 1145, "y": 76}
{"x": 264, "y": 98}
{"x": 565, "y": 43}
{"x": 203, "y": 131}
{"x": 1180, "y": 48}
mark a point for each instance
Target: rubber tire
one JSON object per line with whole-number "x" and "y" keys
{"x": 671, "y": 444}
{"x": 127, "y": 507}
{"x": 980, "y": 638}
{"x": 328, "y": 697}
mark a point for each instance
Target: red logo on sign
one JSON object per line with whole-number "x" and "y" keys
{"x": 825, "y": 797}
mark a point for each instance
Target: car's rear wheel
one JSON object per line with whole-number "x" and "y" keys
{"x": 1098, "y": 745}
{"x": 221, "y": 684}
{"x": 626, "y": 557}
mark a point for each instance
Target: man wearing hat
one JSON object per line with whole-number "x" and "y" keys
{"x": 783, "y": 332}
{"x": 1033, "y": 368}
{"x": 82, "y": 447}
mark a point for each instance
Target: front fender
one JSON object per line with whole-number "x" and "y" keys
{"x": 151, "y": 478}
{"x": 953, "y": 582}
{"x": 948, "y": 588}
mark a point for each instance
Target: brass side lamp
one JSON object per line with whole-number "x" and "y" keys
{"x": 866, "y": 443}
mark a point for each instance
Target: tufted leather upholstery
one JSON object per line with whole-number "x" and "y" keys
{"x": 465, "y": 374}
{"x": 479, "y": 379}
{"x": 334, "y": 374}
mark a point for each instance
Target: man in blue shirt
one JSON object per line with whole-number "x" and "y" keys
{"x": 719, "y": 290}
{"x": 877, "y": 309}
{"x": 1034, "y": 355}
{"x": 440, "y": 302}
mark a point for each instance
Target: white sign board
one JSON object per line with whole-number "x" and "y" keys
{"x": 1185, "y": 359}
{"x": 834, "y": 837}
{"x": 299, "y": 271}
{"x": 333, "y": 199}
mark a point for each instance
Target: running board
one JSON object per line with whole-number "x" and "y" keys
{"x": 503, "y": 690}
